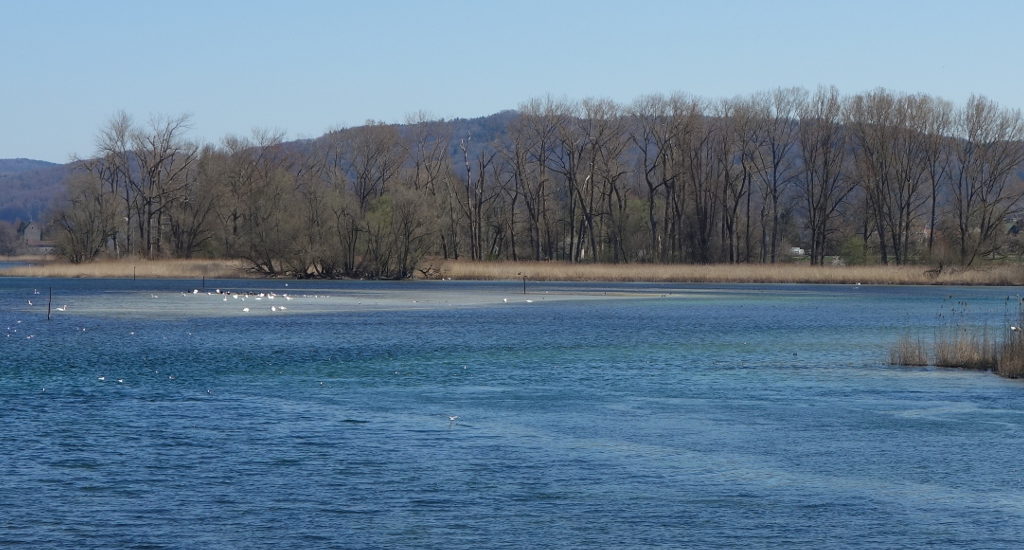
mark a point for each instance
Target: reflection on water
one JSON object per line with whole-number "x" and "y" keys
{"x": 162, "y": 413}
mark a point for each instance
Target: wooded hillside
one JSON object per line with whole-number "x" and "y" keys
{"x": 28, "y": 188}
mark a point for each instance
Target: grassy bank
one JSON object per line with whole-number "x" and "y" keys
{"x": 130, "y": 268}
{"x": 554, "y": 271}
{"x": 728, "y": 273}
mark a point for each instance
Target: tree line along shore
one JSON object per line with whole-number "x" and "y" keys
{"x": 877, "y": 178}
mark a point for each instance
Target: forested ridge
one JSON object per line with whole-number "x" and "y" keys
{"x": 27, "y": 187}
{"x": 878, "y": 177}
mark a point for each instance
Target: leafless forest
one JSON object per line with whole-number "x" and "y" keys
{"x": 880, "y": 177}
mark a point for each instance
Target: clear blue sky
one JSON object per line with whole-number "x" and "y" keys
{"x": 306, "y": 66}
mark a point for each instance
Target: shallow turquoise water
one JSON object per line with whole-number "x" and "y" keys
{"x": 161, "y": 415}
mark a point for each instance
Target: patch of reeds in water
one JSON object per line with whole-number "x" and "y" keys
{"x": 1011, "y": 355}
{"x": 908, "y": 351}
{"x": 959, "y": 347}
{"x": 967, "y": 351}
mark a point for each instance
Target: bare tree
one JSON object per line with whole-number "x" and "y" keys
{"x": 891, "y": 164}
{"x": 162, "y": 157}
{"x": 189, "y": 218}
{"x": 938, "y": 124}
{"x": 534, "y": 134}
{"x": 114, "y": 166}
{"x": 145, "y": 167}
{"x": 775, "y": 159}
{"x": 700, "y": 182}
{"x": 607, "y": 198}
{"x": 429, "y": 165}
{"x": 258, "y": 193}
{"x": 736, "y": 146}
{"x": 985, "y": 185}
{"x": 86, "y": 221}
{"x": 474, "y": 195}
{"x": 654, "y": 134}
{"x": 823, "y": 155}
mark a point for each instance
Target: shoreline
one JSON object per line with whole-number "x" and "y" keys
{"x": 1002, "y": 275}
{"x": 130, "y": 268}
{"x": 996, "y": 275}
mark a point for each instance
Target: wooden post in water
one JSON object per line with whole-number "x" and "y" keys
{"x": 524, "y": 284}
{"x": 133, "y": 272}
{"x": 49, "y": 304}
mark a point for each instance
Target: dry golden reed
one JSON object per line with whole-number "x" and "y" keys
{"x": 1011, "y": 356}
{"x": 553, "y": 271}
{"x": 908, "y": 352}
{"x": 967, "y": 348}
{"x": 134, "y": 268}
{"x": 725, "y": 273}
{"x": 966, "y": 351}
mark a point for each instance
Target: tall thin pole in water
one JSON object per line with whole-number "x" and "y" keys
{"x": 524, "y": 284}
{"x": 49, "y": 304}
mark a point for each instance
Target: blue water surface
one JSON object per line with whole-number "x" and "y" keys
{"x": 162, "y": 414}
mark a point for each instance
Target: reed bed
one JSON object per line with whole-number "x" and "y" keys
{"x": 958, "y": 346}
{"x": 133, "y": 268}
{"x": 25, "y": 258}
{"x": 1011, "y": 353}
{"x": 908, "y": 352}
{"x": 967, "y": 351}
{"x": 555, "y": 271}
{"x": 725, "y": 273}
{"x": 1011, "y": 356}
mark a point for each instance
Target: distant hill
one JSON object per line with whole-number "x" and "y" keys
{"x": 28, "y": 188}
{"x": 18, "y": 166}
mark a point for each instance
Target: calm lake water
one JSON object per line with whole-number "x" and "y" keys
{"x": 147, "y": 415}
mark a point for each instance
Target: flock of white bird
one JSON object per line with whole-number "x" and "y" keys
{"x": 255, "y": 296}
{"x": 249, "y": 299}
